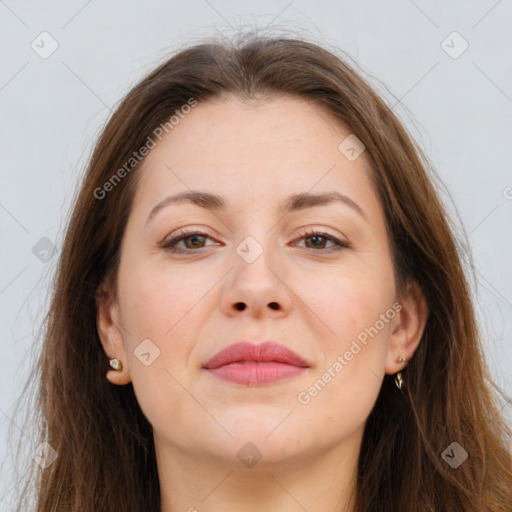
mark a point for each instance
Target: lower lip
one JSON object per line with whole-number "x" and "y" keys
{"x": 254, "y": 373}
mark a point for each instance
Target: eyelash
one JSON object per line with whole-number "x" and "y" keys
{"x": 170, "y": 244}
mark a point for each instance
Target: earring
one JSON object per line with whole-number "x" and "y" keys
{"x": 116, "y": 364}
{"x": 399, "y": 381}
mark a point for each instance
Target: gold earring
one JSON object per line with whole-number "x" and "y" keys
{"x": 399, "y": 381}
{"x": 116, "y": 364}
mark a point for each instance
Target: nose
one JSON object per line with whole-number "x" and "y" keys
{"x": 258, "y": 288}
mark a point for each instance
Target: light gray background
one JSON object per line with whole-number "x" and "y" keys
{"x": 52, "y": 109}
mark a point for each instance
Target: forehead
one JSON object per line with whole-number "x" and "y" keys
{"x": 234, "y": 125}
{"x": 256, "y": 146}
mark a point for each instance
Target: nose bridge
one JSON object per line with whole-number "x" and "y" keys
{"x": 257, "y": 235}
{"x": 256, "y": 254}
{"x": 257, "y": 279}
{"x": 259, "y": 228}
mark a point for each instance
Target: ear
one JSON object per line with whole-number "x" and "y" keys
{"x": 408, "y": 327}
{"x": 110, "y": 333}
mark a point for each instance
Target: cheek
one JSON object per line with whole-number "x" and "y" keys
{"x": 157, "y": 301}
{"x": 167, "y": 307}
{"x": 345, "y": 386}
{"x": 350, "y": 305}
{"x": 157, "y": 306}
{"x": 346, "y": 303}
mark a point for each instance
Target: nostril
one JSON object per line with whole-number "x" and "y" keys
{"x": 240, "y": 306}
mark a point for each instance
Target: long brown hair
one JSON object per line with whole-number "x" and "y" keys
{"x": 106, "y": 458}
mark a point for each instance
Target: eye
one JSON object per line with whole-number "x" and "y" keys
{"x": 317, "y": 243}
{"x": 194, "y": 241}
{"x": 194, "y": 238}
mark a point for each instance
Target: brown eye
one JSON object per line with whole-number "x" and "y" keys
{"x": 319, "y": 239}
{"x": 195, "y": 240}
{"x": 192, "y": 241}
{"x": 316, "y": 239}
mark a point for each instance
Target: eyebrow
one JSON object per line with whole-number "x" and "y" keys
{"x": 293, "y": 203}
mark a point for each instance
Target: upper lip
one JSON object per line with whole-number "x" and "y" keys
{"x": 266, "y": 351}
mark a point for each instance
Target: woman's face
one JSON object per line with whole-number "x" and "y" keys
{"x": 334, "y": 305}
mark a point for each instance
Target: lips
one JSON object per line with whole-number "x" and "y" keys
{"x": 255, "y": 365}
{"x": 265, "y": 352}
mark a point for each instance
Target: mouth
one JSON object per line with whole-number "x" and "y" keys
{"x": 253, "y": 365}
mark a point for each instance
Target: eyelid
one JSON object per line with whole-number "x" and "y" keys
{"x": 183, "y": 233}
{"x": 170, "y": 242}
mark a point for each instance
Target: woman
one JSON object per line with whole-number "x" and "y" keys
{"x": 260, "y": 305}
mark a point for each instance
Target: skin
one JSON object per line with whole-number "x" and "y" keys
{"x": 255, "y": 154}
